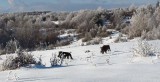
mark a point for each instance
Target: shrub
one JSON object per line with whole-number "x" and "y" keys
{"x": 2, "y": 51}
{"x": 95, "y": 41}
{"x": 8, "y": 64}
{"x": 87, "y": 37}
{"x": 54, "y": 60}
{"x": 4, "y": 37}
{"x": 120, "y": 38}
{"x": 39, "y": 60}
{"x": 143, "y": 49}
{"x": 21, "y": 60}
{"x": 152, "y": 34}
{"x": 103, "y": 34}
{"x": 11, "y": 46}
{"x": 125, "y": 30}
{"x": 120, "y": 27}
{"x": 63, "y": 43}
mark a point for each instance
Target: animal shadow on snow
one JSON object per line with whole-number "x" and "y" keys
{"x": 44, "y": 67}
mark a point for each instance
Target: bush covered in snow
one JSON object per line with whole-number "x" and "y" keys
{"x": 20, "y": 60}
{"x": 94, "y": 41}
{"x": 143, "y": 49}
{"x": 120, "y": 38}
{"x": 145, "y": 23}
{"x": 11, "y": 46}
{"x": 54, "y": 60}
{"x": 87, "y": 37}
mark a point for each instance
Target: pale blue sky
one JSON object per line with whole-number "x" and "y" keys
{"x": 65, "y": 5}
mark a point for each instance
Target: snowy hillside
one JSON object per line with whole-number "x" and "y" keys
{"x": 119, "y": 65}
{"x": 104, "y": 45}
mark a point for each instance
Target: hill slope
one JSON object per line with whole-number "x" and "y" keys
{"x": 116, "y": 66}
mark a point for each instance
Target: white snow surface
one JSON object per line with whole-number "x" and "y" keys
{"x": 56, "y": 22}
{"x": 115, "y": 66}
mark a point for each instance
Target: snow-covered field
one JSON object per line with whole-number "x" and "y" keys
{"x": 119, "y": 65}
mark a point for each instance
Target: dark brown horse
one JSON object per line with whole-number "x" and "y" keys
{"x": 64, "y": 55}
{"x": 105, "y": 48}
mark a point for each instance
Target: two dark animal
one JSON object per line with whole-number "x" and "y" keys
{"x": 105, "y": 48}
{"x": 64, "y": 55}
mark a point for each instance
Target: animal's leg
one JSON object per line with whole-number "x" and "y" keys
{"x": 60, "y": 55}
{"x": 102, "y": 52}
{"x": 67, "y": 57}
{"x": 71, "y": 57}
{"x": 106, "y": 52}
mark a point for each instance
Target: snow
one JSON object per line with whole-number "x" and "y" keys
{"x": 67, "y": 35}
{"x": 119, "y": 65}
{"x": 57, "y": 22}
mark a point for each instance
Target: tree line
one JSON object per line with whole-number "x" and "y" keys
{"x": 37, "y": 29}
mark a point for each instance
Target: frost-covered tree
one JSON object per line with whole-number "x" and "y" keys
{"x": 139, "y": 23}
